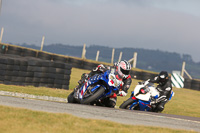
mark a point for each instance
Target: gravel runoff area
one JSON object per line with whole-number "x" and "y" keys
{"x": 23, "y": 95}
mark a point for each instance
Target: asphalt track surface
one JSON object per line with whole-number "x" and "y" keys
{"x": 115, "y": 115}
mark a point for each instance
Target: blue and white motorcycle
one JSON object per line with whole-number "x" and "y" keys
{"x": 142, "y": 98}
{"x": 97, "y": 88}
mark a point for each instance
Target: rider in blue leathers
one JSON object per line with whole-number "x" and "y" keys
{"x": 123, "y": 68}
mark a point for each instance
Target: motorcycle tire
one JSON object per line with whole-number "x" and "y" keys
{"x": 71, "y": 98}
{"x": 126, "y": 104}
{"x": 93, "y": 97}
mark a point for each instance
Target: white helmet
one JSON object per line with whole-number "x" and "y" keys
{"x": 124, "y": 68}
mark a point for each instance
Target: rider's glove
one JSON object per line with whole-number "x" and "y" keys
{"x": 122, "y": 93}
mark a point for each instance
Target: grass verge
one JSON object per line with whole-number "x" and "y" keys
{"x": 16, "y": 120}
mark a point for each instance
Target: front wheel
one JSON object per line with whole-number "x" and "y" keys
{"x": 71, "y": 98}
{"x": 126, "y": 104}
{"x": 93, "y": 97}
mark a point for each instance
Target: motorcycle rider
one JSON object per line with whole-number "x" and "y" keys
{"x": 123, "y": 68}
{"x": 165, "y": 89}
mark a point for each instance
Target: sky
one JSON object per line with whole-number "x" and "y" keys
{"x": 166, "y": 25}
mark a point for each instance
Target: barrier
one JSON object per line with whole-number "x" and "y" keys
{"x": 34, "y": 71}
{"x": 187, "y": 83}
{"x": 195, "y": 85}
{"x": 177, "y": 80}
{"x": 48, "y": 64}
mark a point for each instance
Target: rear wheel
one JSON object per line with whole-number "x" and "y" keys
{"x": 126, "y": 104}
{"x": 93, "y": 97}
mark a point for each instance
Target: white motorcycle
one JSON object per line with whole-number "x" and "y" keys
{"x": 143, "y": 97}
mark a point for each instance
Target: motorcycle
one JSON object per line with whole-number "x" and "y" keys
{"x": 141, "y": 98}
{"x": 97, "y": 88}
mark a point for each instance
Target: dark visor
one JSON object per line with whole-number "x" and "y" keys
{"x": 126, "y": 72}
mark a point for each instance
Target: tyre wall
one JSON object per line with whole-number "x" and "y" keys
{"x": 36, "y": 72}
{"x": 25, "y": 67}
{"x": 40, "y": 56}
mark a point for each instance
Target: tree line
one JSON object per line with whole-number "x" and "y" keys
{"x": 152, "y": 60}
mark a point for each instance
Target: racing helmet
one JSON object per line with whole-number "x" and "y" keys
{"x": 124, "y": 68}
{"x": 163, "y": 77}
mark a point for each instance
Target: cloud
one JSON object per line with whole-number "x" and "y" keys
{"x": 170, "y": 25}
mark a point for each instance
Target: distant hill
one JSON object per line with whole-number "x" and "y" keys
{"x": 152, "y": 60}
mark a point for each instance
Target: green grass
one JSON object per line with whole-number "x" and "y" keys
{"x": 16, "y": 120}
{"x": 185, "y": 101}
